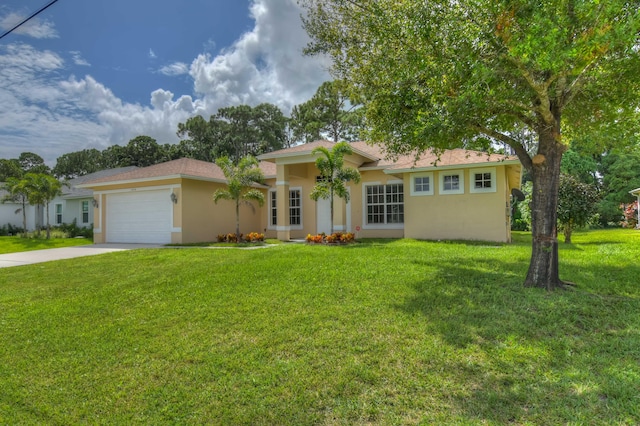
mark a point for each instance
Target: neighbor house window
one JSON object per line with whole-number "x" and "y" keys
{"x": 85, "y": 212}
{"x": 58, "y": 214}
{"x": 295, "y": 208}
{"x": 483, "y": 180}
{"x": 385, "y": 204}
{"x": 422, "y": 184}
{"x": 452, "y": 182}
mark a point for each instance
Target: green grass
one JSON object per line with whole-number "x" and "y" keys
{"x": 18, "y": 244}
{"x": 379, "y": 332}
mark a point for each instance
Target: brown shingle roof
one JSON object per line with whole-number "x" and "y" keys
{"x": 307, "y": 148}
{"x": 183, "y": 167}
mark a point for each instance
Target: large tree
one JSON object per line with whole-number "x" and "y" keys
{"x": 234, "y": 132}
{"x": 78, "y": 163}
{"x": 438, "y": 74}
{"x": 328, "y": 114}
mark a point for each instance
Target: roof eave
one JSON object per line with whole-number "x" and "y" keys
{"x": 392, "y": 170}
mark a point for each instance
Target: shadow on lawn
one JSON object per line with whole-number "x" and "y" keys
{"x": 525, "y": 353}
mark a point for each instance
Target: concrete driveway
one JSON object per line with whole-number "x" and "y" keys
{"x": 39, "y": 256}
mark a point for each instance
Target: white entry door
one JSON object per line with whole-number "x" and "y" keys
{"x": 323, "y": 216}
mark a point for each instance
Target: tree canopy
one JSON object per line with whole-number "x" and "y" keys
{"x": 328, "y": 114}
{"x": 442, "y": 74}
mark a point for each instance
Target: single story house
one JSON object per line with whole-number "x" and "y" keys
{"x": 77, "y": 203}
{"x": 459, "y": 195}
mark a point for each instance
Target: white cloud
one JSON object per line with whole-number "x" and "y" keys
{"x": 78, "y": 59}
{"x": 264, "y": 65}
{"x": 177, "y": 68}
{"x": 51, "y": 113}
{"x": 35, "y": 27}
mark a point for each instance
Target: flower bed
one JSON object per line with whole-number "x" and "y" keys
{"x": 335, "y": 238}
{"x": 251, "y": 237}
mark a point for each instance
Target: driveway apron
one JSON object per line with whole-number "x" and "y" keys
{"x": 39, "y": 256}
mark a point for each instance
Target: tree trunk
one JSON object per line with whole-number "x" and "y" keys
{"x": 48, "y": 224}
{"x": 24, "y": 218}
{"x": 543, "y": 268}
{"x": 238, "y": 221}
{"x": 568, "y": 229}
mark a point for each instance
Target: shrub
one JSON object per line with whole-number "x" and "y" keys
{"x": 9, "y": 229}
{"x": 253, "y": 237}
{"x": 336, "y": 237}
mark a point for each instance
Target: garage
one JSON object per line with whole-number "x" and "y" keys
{"x": 139, "y": 217}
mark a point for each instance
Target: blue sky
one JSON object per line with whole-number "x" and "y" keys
{"x": 89, "y": 74}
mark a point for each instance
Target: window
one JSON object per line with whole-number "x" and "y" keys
{"x": 85, "y": 212}
{"x": 422, "y": 184}
{"x": 385, "y": 204}
{"x": 58, "y": 214}
{"x": 483, "y": 180}
{"x": 295, "y": 208}
{"x": 273, "y": 209}
{"x": 451, "y": 182}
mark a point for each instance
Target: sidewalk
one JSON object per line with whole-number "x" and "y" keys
{"x": 39, "y": 256}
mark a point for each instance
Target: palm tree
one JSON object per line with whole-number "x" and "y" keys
{"x": 240, "y": 180}
{"x": 18, "y": 191}
{"x": 42, "y": 189}
{"x": 334, "y": 175}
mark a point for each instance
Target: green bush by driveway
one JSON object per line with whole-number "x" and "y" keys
{"x": 380, "y": 332}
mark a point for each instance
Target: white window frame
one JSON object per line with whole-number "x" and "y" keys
{"x": 55, "y": 214}
{"x": 365, "y": 224}
{"x": 472, "y": 180}
{"x": 414, "y": 191}
{"x": 296, "y": 227}
{"x": 274, "y": 209}
{"x": 82, "y": 204}
{"x": 441, "y": 178}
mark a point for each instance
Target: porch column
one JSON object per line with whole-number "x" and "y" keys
{"x": 282, "y": 203}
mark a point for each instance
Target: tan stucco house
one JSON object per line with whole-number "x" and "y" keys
{"x": 458, "y": 195}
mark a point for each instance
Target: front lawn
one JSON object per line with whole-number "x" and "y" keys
{"x": 18, "y": 244}
{"x": 380, "y": 332}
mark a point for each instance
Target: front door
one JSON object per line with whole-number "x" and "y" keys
{"x": 323, "y": 216}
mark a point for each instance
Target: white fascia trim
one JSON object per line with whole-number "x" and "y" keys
{"x": 282, "y": 182}
{"x": 153, "y": 179}
{"x": 136, "y": 189}
{"x": 391, "y": 171}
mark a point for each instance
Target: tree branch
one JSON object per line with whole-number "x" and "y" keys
{"x": 521, "y": 152}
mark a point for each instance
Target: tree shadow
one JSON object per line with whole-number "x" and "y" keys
{"x": 540, "y": 354}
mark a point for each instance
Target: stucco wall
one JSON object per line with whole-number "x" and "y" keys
{"x": 467, "y": 216}
{"x": 204, "y": 220}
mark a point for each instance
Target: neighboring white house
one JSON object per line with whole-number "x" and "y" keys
{"x": 11, "y": 213}
{"x": 78, "y": 203}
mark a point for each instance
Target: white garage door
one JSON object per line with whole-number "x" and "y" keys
{"x": 139, "y": 217}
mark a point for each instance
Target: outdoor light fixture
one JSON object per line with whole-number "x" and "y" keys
{"x": 94, "y": 202}
{"x": 174, "y": 198}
